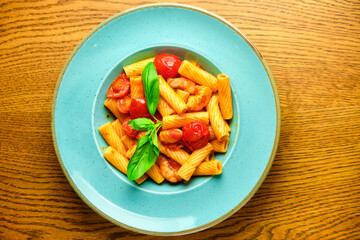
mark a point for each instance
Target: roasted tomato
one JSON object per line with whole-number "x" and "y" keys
{"x": 123, "y": 104}
{"x": 138, "y": 108}
{"x": 120, "y": 87}
{"x": 167, "y": 65}
{"x": 128, "y": 129}
{"x": 195, "y": 135}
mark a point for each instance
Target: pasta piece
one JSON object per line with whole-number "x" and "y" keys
{"x": 154, "y": 173}
{"x": 171, "y": 97}
{"x": 207, "y": 158}
{"x": 225, "y": 99}
{"x": 198, "y": 75}
{"x": 183, "y": 95}
{"x": 213, "y": 167}
{"x": 111, "y": 137}
{"x": 118, "y": 128}
{"x": 196, "y": 157}
{"x": 136, "y": 87}
{"x": 136, "y": 69}
{"x": 179, "y": 155}
{"x": 164, "y": 108}
{"x": 128, "y": 141}
{"x": 131, "y": 151}
{"x": 110, "y": 103}
{"x": 120, "y": 162}
{"x": 212, "y": 134}
{"x": 220, "y": 146}
{"x": 217, "y": 122}
{"x": 178, "y": 121}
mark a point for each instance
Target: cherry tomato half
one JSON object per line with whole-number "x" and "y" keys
{"x": 138, "y": 108}
{"x": 123, "y": 104}
{"x": 167, "y": 65}
{"x": 195, "y": 135}
{"x": 128, "y": 129}
{"x": 119, "y": 87}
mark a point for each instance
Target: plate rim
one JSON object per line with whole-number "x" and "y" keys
{"x": 268, "y": 165}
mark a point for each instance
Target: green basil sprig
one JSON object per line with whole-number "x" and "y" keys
{"x": 147, "y": 149}
{"x": 150, "y": 80}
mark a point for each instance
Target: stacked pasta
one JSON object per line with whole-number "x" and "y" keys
{"x": 195, "y": 95}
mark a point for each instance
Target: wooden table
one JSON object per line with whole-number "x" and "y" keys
{"x": 313, "y": 188}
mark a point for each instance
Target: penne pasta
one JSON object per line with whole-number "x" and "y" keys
{"x": 110, "y": 103}
{"x": 118, "y": 128}
{"x": 212, "y": 134}
{"x": 154, "y": 174}
{"x": 225, "y": 99}
{"x": 120, "y": 162}
{"x": 196, "y": 157}
{"x": 164, "y": 108}
{"x": 210, "y": 168}
{"x": 131, "y": 151}
{"x": 128, "y": 141}
{"x": 220, "y": 146}
{"x": 218, "y": 124}
{"x": 183, "y": 95}
{"x": 178, "y": 155}
{"x": 136, "y": 87}
{"x": 198, "y": 75}
{"x": 178, "y": 121}
{"x": 111, "y": 137}
{"x": 170, "y": 96}
{"x": 136, "y": 69}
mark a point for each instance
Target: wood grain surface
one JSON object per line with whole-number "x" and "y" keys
{"x": 313, "y": 188}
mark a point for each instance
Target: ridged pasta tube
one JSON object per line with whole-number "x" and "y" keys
{"x": 193, "y": 72}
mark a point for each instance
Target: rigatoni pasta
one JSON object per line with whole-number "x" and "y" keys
{"x": 198, "y": 75}
{"x": 111, "y": 137}
{"x": 171, "y": 97}
{"x": 120, "y": 162}
{"x": 136, "y": 69}
{"x": 225, "y": 99}
{"x": 217, "y": 122}
{"x": 136, "y": 87}
{"x": 188, "y": 111}
{"x": 209, "y": 168}
{"x": 178, "y": 121}
{"x": 164, "y": 108}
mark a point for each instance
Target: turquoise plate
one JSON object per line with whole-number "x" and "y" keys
{"x": 78, "y": 111}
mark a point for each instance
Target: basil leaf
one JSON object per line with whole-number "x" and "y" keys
{"x": 143, "y": 159}
{"x": 141, "y": 124}
{"x": 150, "y": 80}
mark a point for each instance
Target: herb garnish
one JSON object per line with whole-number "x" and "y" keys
{"x": 147, "y": 149}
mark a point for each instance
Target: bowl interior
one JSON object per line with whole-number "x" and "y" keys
{"x": 101, "y": 115}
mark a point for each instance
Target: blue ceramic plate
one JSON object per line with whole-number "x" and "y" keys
{"x": 78, "y": 111}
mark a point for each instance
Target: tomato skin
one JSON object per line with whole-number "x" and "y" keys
{"x": 123, "y": 104}
{"x": 119, "y": 88}
{"x": 167, "y": 65}
{"x": 138, "y": 108}
{"x": 195, "y": 135}
{"x": 128, "y": 129}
